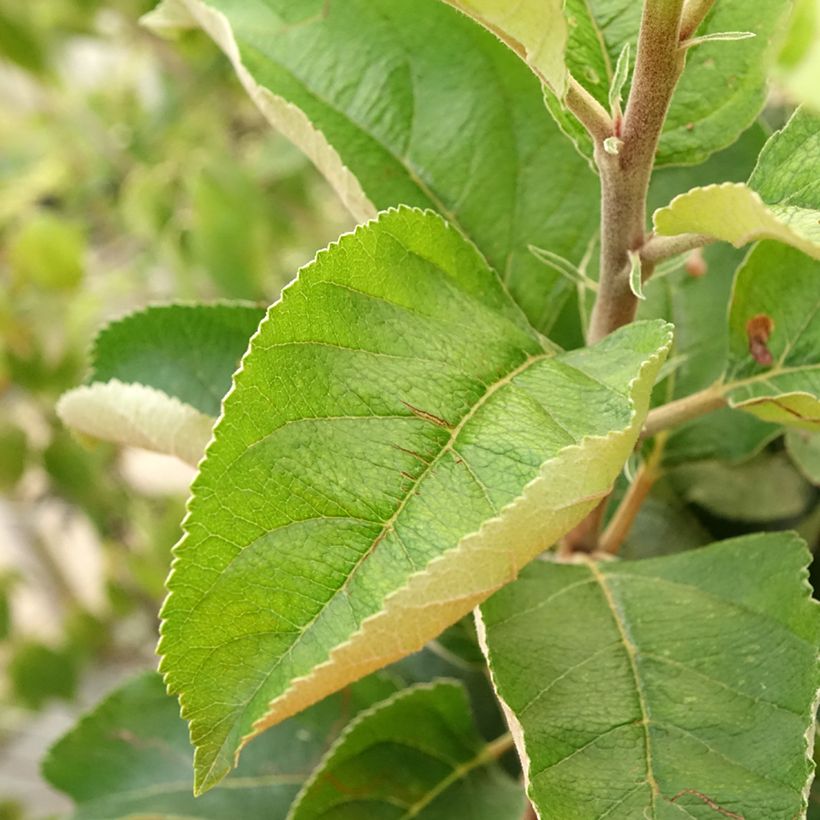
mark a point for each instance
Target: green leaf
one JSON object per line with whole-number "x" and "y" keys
{"x": 780, "y": 201}
{"x": 767, "y": 488}
{"x": 360, "y": 87}
{"x": 158, "y": 376}
{"x": 417, "y": 754}
{"x": 723, "y": 87}
{"x": 37, "y": 673}
{"x": 804, "y": 449}
{"x": 774, "y": 337}
{"x": 689, "y": 719}
{"x": 619, "y": 78}
{"x": 635, "y": 275}
{"x": 723, "y": 435}
{"x": 130, "y": 757}
{"x": 798, "y": 65}
{"x": 406, "y": 434}
{"x": 535, "y": 30}
{"x": 187, "y": 351}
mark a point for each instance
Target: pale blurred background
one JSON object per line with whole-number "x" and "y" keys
{"x": 131, "y": 171}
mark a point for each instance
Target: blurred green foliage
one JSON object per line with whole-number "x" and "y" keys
{"x": 130, "y": 172}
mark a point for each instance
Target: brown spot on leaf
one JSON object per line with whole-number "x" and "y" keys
{"x": 709, "y": 802}
{"x": 758, "y": 330}
{"x": 423, "y": 414}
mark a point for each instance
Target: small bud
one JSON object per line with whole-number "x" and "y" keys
{"x": 612, "y": 145}
{"x": 696, "y": 264}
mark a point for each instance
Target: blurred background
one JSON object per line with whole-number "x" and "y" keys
{"x": 131, "y": 171}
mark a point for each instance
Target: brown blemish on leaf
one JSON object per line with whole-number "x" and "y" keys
{"x": 758, "y": 330}
{"x": 423, "y": 414}
{"x": 709, "y": 802}
{"x": 414, "y": 454}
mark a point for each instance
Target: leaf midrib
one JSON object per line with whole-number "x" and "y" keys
{"x": 631, "y": 653}
{"x": 528, "y": 362}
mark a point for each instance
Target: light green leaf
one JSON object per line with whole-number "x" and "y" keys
{"x": 359, "y": 87}
{"x": 417, "y": 754}
{"x": 780, "y": 201}
{"x": 798, "y": 65}
{"x": 158, "y": 376}
{"x": 774, "y": 337}
{"x": 804, "y": 449}
{"x": 635, "y": 275}
{"x": 619, "y": 78}
{"x": 689, "y": 720}
{"x": 536, "y": 30}
{"x": 411, "y": 443}
{"x": 136, "y": 416}
{"x": 130, "y": 757}
{"x": 723, "y": 87}
{"x": 719, "y": 37}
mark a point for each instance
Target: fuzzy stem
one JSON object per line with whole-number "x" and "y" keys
{"x": 592, "y": 115}
{"x": 625, "y": 176}
{"x": 685, "y": 409}
{"x": 693, "y": 15}
{"x": 621, "y": 523}
{"x": 658, "y": 248}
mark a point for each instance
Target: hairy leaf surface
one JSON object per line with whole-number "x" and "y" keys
{"x": 398, "y": 443}
{"x": 130, "y": 757}
{"x": 417, "y": 754}
{"x": 774, "y": 337}
{"x": 410, "y": 102}
{"x": 672, "y": 687}
{"x": 780, "y": 201}
{"x": 158, "y": 376}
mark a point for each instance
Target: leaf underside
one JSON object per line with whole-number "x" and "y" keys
{"x": 398, "y": 443}
{"x": 671, "y": 687}
{"x": 158, "y": 376}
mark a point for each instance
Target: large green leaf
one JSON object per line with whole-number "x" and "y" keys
{"x": 780, "y": 201}
{"x": 721, "y": 91}
{"x": 774, "y": 337}
{"x": 417, "y": 754}
{"x": 398, "y": 443}
{"x": 158, "y": 376}
{"x": 672, "y": 687}
{"x": 410, "y": 102}
{"x": 130, "y": 757}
